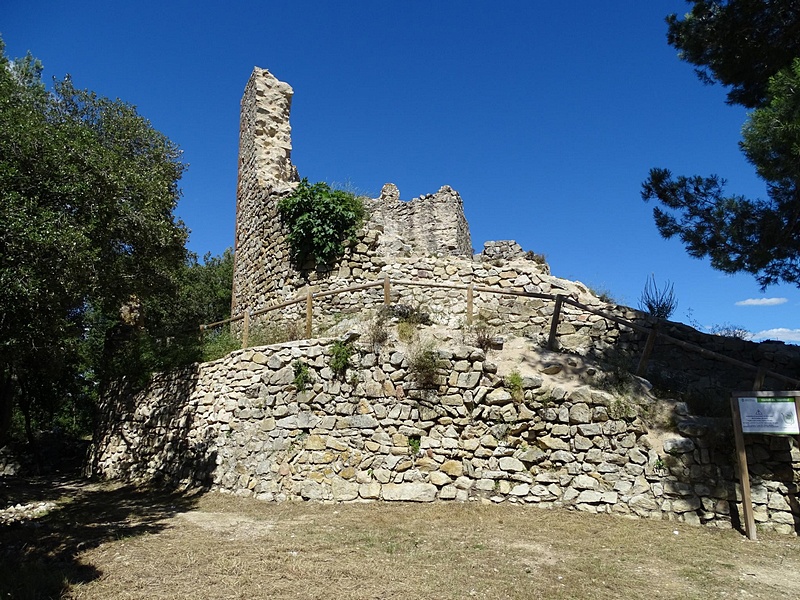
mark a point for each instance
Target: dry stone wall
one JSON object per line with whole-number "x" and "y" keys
{"x": 580, "y": 332}
{"x": 240, "y": 425}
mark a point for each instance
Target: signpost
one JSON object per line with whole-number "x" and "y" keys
{"x": 773, "y": 413}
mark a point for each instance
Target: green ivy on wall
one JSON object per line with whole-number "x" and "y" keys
{"x": 319, "y": 220}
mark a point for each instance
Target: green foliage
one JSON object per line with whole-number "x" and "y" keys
{"x": 92, "y": 258}
{"x": 219, "y": 343}
{"x": 319, "y": 220}
{"x": 414, "y": 443}
{"x": 513, "y": 383}
{"x": 409, "y": 317}
{"x": 424, "y": 366}
{"x": 738, "y": 43}
{"x": 340, "y": 358}
{"x": 302, "y": 375}
{"x": 658, "y": 302}
{"x": 752, "y": 47}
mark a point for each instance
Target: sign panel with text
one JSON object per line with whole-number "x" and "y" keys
{"x": 769, "y": 415}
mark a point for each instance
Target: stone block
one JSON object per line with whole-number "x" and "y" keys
{"x": 409, "y": 492}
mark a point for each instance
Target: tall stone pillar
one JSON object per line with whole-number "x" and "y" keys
{"x": 266, "y": 173}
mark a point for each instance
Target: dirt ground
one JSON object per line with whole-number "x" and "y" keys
{"x": 113, "y": 541}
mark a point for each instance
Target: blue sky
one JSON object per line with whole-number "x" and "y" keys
{"x": 545, "y": 116}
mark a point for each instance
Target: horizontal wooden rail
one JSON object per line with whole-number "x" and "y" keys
{"x": 205, "y": 326}
{"x": 605, "y": 315}
{"x": 471, "y": 289}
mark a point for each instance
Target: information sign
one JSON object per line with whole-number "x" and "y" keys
{"x": 776, "y": 415}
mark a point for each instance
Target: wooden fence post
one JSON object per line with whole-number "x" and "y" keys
{"x": 648, "y": 350}
{"x": 744, "y": 473}
{"x": 551, "y": 341}
{"x": 246, "y": 329}
{"x": 387, "y": 291}
{"x": 309, "y": 312}
{"x": 761, "y": 374}
{"x": 470, "y": 293}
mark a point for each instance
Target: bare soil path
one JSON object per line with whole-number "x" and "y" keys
{"x": 113, "y": 541}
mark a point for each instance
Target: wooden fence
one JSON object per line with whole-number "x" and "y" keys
{"x": 652, "y": 332}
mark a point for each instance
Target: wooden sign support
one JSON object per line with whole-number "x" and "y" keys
{"x": 754, "y": 423}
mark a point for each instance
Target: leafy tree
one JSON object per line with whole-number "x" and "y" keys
{"x": 738, "y": 43}
{"x": 91, "y": 254}
{"x": 744, "y": 44}
{"x": 319, "y": 220}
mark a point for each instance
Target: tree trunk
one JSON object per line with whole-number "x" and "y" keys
{"x": 6, "y": 405}
{"x": 25, "y": 406}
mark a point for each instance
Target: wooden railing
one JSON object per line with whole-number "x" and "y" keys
{"x": 652, "y": 332}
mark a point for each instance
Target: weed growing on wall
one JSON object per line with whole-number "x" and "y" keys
{"x": 340, "y": 358}
{"x": 424, "y": 367}
{"x": 319, "y": 220}
{"x": 406, "y": 331}
{"x": 513, "y": 383}
{"x": 275, "y": 333}
{"x": 483, "y": 337}
{"x": 302, "y": 375}
{"x": 659, "y": 302}
{"x": 377, "y": 332}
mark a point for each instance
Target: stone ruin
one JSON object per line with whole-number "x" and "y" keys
{"x": 240, "y": 424}
{"x": 431, "y": 224}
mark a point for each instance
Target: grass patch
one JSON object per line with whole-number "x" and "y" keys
{"x": 122, "y": 543}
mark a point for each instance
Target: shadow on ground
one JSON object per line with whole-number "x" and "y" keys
{"x": 40, "y": 558}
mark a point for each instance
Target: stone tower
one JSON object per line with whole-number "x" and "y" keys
{"x": 266, "y": 174}
{"x": 263, "y": 273}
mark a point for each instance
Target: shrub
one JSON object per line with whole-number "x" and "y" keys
{"x": 410, "y": 314}
{"x": 340, "y": 358}
{"x": 218, "y": 343}
{"x": 302, "y": 375}
{"x": 319, "y": 220}
{"x": 513, "y": 383}
{"x": 483, "y": 337}
{"x": 377, "y": 332}
{"x": 425, "y": 366}
{"x": 406, "y": 331}
{"x": 731, "y": 331}
{"x": 274, "y": 333}
{"x": 603, "y": 294}
{"x": 660, "y": 303}
{"x": 537, "y": 258}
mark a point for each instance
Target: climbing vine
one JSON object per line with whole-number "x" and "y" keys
{"x": 319, "y": 220}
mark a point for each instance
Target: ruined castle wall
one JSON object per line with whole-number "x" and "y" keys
{"x": 266, "y": 174}
{"x": 240, "y": 425}
{"x": 671, "y": 367}
{"x": 263, "y": 273}
{"x": 430, "y": 224}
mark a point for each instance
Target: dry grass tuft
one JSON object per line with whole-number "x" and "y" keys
{"x": 218, "y": 546}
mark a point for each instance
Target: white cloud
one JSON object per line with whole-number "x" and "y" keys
{"x": 779, "y": 333}
{"x": 762, "y": 302}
